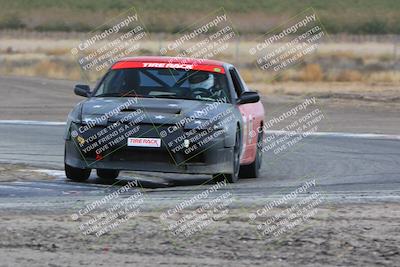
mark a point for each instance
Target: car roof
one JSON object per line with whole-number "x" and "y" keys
{"x": 162, "y": 59}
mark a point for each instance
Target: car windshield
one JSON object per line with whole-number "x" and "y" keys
{"x": 164, "y": 83}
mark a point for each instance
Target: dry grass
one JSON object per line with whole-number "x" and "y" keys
{"x": 41, "y": 68}
{"x": 384, "y": 77}
{"x": 349, "y": 76}
{"x": 58, "y": 52}
{"x": 68, "y": 69}
{"x": 340, "y": 62}
{"x": 48, "y": 68}
{"x": 311, "y": 73}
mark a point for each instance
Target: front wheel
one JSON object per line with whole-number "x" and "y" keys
{"x": 253, "y": 169}
{"x": 76, "y": 174}
{"x": 234, "y": 176}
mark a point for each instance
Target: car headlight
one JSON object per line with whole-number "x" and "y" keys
{"x": 76, "y": 114}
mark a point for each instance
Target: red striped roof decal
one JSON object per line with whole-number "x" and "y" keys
{"x": 166, "y": 65}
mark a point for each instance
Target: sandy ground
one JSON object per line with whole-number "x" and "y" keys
{"x": 337, "y": 235}
{"x": 374, "y": 93}
{"x": 57, "y": 43}
{"x": 19, "y": 172}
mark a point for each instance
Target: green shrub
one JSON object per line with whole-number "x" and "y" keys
{"x": 11, "y": 22}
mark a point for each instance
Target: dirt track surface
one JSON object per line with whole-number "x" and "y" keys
{"x": 338, "y": 235}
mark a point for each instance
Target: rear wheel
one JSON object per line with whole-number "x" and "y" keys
{"x": 234, "y": 176}
{"x": 76, "y": 174}
{"x": 253, "y": 170}
{"x": 107, "y": 174}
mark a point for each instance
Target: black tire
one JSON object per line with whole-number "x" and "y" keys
{"x": 234, "y": 176}
{"x": 107, "y": 174}
{"x": 76, "y": 174}
{"x": 253, "y": 170}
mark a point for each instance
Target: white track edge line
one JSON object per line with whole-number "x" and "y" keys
{"x": 26, "y": 122}
{"x": 275, "y": 132}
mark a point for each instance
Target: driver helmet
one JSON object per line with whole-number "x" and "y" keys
{"x": 131, "y": 81}
{"x": 201, "y": 80}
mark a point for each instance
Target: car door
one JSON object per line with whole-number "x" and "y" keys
{"x": 252, "y": 115}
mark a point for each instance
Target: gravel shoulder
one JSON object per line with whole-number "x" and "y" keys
{"x": 21, "y": 172}
{"x": 337, "y": 235}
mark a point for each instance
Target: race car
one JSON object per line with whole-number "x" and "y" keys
{"x": 166, "y": 114}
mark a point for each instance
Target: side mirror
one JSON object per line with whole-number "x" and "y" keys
{"x": 82, "y": 90}
{"x": 248, "y": 97}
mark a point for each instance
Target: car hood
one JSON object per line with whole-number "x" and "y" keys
{"x": 156, "y": 109}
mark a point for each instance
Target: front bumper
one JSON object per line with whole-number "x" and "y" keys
{"x": 212, "y": 159}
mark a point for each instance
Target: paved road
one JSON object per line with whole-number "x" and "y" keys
{"x": 345, "y": 169}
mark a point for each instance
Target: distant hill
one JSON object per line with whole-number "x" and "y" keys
{"x": 248, "y": 16}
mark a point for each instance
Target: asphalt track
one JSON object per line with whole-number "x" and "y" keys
{"x": 346, "y": 167}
